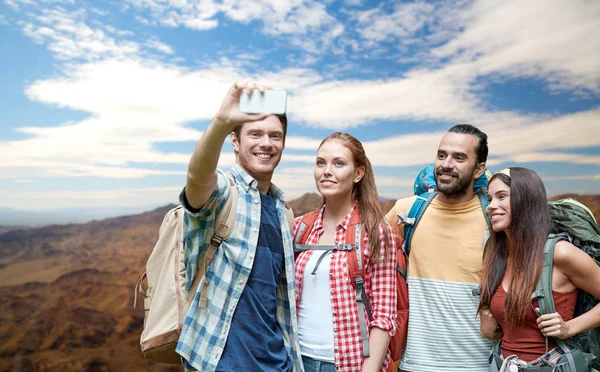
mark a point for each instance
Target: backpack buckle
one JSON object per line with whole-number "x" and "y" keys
{"x": 360, "y": 283}
{"x": 216, "y": 240}
{"x": 403, "y": 219}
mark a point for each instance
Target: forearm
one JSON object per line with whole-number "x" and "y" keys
{"x": 202, "y": 176}
{"x": 584, "y": 322}
{"x": 488, "y": 325}
{"x": 378, "y": 344}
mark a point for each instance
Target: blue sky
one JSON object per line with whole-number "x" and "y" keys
{"x": 103, "y": 101}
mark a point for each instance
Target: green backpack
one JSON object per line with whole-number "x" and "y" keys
{"x": 576, "y": 223}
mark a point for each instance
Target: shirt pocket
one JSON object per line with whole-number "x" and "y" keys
{"x": 470, "y": 257}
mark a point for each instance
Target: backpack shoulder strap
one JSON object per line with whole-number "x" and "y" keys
{"x": 543, "y": 288}
{"x": 289, "y": 213}
{"x": 483, "y": 201}
{"x": 356, "y": 269}
{"x": 411, "y": 221}
{"x": 226, "y": 220}
{"x": 543, "y": 292}
{"x": 224, "y": 226}
{"x": 306, "y": 224}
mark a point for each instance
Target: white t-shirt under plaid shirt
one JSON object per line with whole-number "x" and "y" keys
{"x": 204, "y": 332}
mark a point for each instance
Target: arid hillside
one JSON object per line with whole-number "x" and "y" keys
{"x": 66, "y": 292}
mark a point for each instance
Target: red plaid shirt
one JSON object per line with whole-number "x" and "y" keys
{"x": 380, "y": 286}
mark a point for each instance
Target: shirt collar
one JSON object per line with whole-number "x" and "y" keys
{"x": 248, "y": 182}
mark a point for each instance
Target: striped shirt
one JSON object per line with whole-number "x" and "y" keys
{"x": 443, "y": 270}
{"x": 380, "y": 286}
{"x": 205, "y": 331}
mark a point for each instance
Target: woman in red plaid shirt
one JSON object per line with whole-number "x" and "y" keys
{"x": 328, "y": 320}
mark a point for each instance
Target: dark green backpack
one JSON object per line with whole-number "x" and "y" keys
{"x": 576, "y": 223}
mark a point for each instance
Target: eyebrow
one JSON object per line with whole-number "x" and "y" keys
{"x": 335, "y": 158}
{"x": 458, "y": 153}
{"x": 498, "y": 192}
{"x": 261, "y": 130}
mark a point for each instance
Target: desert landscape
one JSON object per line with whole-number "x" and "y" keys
{"x": 67, "y": 292}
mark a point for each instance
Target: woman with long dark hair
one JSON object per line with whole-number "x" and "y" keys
{"x": 328, "y": 317}
{"x": 512, "y": 265}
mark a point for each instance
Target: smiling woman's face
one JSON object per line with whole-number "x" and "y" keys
{"x": 335, "y": 171}
{"x": 499, "y": 205}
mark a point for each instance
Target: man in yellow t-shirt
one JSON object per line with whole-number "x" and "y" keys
{"x": 445, "y": 260}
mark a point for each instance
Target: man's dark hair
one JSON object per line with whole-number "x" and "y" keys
{"x": 282, "y": 119}
{"x": 482, "y": 146}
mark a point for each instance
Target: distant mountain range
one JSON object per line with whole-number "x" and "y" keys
{"x": 18, "y": 217}
{"x": 66, "y": 292}
{"x": 11, "y": 218}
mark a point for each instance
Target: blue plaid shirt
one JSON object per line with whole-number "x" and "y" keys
{"x": 205, "y": 330}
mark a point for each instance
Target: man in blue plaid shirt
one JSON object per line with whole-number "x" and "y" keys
{"x": 249, "y": 320}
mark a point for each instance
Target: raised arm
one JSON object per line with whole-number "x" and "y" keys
{"x": 202, "y": 175}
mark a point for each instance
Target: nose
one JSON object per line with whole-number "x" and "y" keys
{"x": 265, "y": 141}
{"x": 327, "y": 170}
{"x": 491, "y": 206}
{"x": 447, "y": 163}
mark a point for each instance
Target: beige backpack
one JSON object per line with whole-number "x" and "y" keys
{"x": 165, "y": 301}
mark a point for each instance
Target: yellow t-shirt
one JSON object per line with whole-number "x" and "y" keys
{"x": 444, "y": 268}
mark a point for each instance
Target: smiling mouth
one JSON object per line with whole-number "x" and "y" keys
{"x": 327, "y": 183}
{"x": 496, "y": 217}
{"x": 263, "y": 156}
{"x": 447, "y": 175}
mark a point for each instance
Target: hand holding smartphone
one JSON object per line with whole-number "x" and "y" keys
{"x": 269, "y": 102}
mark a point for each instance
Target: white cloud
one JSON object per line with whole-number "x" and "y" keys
{"x": 534, "y": 39}
{"x": 69, "y": 37}
{"x": 377, "y": 25}
{"x": 557, "y": 42}
{"x": 154, "y": 43}
{"x": 294, "y": 19}
{"x": 14, "y": 4}
{"x": 135, "y": 105}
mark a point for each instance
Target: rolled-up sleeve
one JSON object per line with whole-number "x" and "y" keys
{"x": 381, "y": 288}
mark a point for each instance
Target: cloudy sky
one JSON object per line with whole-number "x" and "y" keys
{"x": 103, "y": 101}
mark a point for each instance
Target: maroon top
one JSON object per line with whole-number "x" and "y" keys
{"x": 526, "y": 340}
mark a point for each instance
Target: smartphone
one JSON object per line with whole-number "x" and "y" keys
{"x": 269, "y": 102}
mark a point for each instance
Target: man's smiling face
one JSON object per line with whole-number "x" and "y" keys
{"x": 259, "y": 147}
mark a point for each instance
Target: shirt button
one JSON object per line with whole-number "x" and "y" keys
{"x": 255, "y": 201}
{"x": 254, "y": 229}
